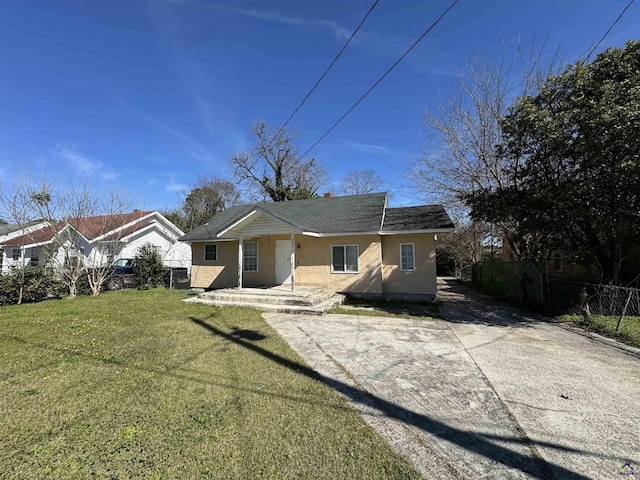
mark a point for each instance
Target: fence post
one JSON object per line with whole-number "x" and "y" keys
{"x": 624, "y": 310}
{"x": 584, "y": 301}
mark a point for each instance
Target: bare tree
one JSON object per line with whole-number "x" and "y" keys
{"x": 359, "y": 182}
{"x": 273, "y": 168}
{"x": 458, "y": 153}
{"x": 76, "y": 221}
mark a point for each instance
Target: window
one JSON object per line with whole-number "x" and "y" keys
{"x": 16, "y": 254}
{"x": 407, "y": 257}
{"x": 35, "y": 257}
{"x": 250, "y": 257}
{"x": 344, "y": 259}
{"x": 211, "y": 252}
{"x": 110, "y": 251}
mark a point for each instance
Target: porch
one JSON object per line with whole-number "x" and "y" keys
{"x": 278, "y": 299}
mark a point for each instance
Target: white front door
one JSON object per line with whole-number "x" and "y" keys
{"x": 283, "y": 262}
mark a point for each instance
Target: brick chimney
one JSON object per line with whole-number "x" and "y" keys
{"x": 328, "y": 195}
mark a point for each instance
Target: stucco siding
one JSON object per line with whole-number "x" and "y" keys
{"x": 313, "y": 264}
{"x": 422, "y": 280}
{"x": 219, "y": 273}
{"x": 266, "y": 274}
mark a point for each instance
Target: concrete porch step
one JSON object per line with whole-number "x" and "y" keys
{"x": 318, "y": 308}
{"x": 301, "y": 297}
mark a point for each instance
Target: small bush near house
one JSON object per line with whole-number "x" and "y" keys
{"x": 36, "y": 283}
{"x": 148, "y": 267}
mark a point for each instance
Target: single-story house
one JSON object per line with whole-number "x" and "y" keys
{"x": 354, "y": 244}
{"x": 98, "y": 239}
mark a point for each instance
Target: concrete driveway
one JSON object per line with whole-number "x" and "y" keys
{"x": 489, "y": 392}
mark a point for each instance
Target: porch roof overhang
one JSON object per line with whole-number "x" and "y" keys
{"x": 256, "y": 223}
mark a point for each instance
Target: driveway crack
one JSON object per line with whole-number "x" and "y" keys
{"x": 544, "y": 466}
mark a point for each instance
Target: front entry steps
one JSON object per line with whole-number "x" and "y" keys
{"x": 279, "y": 299}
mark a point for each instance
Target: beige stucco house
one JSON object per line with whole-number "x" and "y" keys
{"x": 353, "y": 244}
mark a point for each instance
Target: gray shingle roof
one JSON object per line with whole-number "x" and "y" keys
{"x": 424, "y": 217}
{"x": 334, "y": 215}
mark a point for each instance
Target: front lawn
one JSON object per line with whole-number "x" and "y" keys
{"x": 628, "y": 333}
{"x": 387, "y": 308}
{"x": 139, "y": 385}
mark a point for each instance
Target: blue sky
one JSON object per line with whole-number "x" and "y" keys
{"x": 144, "y": 96}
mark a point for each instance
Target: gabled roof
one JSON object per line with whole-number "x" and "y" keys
{"x": 355, "y": 214}
{"x": 89, "y": 227}
{"x": 14, "y": 227}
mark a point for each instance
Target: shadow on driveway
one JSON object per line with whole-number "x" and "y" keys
{"x": 532, "y": 466}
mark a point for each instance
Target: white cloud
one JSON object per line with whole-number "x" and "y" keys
{"x": 173, "y": 186}
{"x": 373, "y": 149}
{"x": 84, "y": 165}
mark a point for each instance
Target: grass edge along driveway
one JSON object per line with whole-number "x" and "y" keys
{"x": 137, "y": 384}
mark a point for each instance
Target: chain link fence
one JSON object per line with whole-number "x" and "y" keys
{"x": 528, "y": 285}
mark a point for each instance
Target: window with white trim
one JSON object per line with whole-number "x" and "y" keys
{"x": 344, "y": 259}
{"x": 250, "y": 257}
{"x": 211, "y": 252}
{"x": 15, "y": 254}
{"x": 35, "y": 257}
{"x": 407, "y": 257}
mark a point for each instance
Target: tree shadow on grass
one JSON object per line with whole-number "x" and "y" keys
{"x": 478, "y": 443}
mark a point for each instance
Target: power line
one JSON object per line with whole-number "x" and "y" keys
{"x": 609, "y": 30}
{"x": 381, "y": 78}
{"x": 324, "y": 74}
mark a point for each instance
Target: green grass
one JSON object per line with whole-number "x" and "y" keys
{"x": 388, "y": 308}
{"x": 628, "y": 333}
{"x": 139, "y": 385}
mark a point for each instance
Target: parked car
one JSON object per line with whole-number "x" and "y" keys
{"x": 121, "y": 275}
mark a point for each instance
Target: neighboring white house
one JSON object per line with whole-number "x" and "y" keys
{"x": 11, "y": 231}
{"x": 98, "y": 239}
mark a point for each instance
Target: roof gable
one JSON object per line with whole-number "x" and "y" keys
{"x": 334, "y": 215}
{"x": 91, "y": 228}
{"x": 354, "y": 214}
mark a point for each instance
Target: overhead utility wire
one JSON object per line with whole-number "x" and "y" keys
{"x": 609, "y": 30}
{"x": 381, "y": 78}
{"x": 324, "y": 74}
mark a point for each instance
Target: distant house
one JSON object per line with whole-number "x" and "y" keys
{"x": 11, "y": 231}
{"x": 99, "y": 239}
{"x": 354, "y": 244}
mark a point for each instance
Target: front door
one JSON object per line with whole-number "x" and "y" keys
{"x": 283, "y": 262}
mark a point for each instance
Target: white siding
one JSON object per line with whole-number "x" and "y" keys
{"x": 173, "y": 253}
{"x": 264, "y": 225}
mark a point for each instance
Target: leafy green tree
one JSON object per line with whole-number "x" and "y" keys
{"x": 574, "y": 151}
{"x": 209, "y": 196}
{"x": 148, "y": 267}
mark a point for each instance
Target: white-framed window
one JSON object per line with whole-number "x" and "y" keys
{"x": 35, "y": 257}
{"x": 407, "y": 257}
{"x": 211, "y": 252}
{"x": 344, "y": 259}
{"x": 250, "y": 257}
{"x": 111, "y": 250}
{"x": 15, "y": 254}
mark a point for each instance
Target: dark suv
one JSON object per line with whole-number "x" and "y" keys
{"x": 121, "y": 274}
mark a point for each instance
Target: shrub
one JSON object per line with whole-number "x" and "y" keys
{"x": 38, "y": 284}
{"x": 148, "y": 267}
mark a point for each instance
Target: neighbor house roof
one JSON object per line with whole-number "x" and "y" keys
{"x": 330, "y": 216}
{"x": 89, "y": 227}
{"x": 6, "y": 229}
